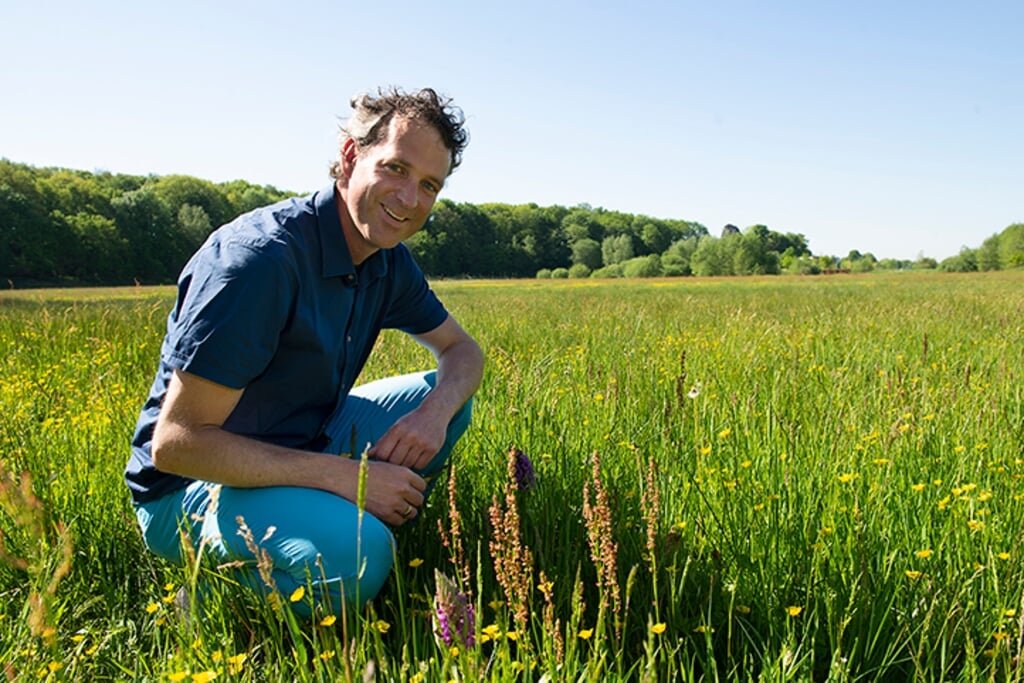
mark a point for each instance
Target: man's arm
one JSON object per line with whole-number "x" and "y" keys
{"x": 189, "y": 440}
{"x": 418, "y": 436}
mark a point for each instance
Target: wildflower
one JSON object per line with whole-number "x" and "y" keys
{"x": 297, "y": 594}
{"x": 917, "y": 488}
{"x": 846, "y": 478}
{"x": 703, "y": 628}
{"x": 512, "y": 635}
{"x": 694, "y": 391}
{"x": 913, "y": 575}
{"x": 491, "y": 632}
{"x": 328, "y": 620}
{"x": 743, "y": 609}
{"x": 524, "y": 475}
{"x": 658, "y": 629}
{"x": 152, "y": 607}
{"x": 204, "y": 676}
{"x": 177, "y": 676}
{"x": 586, "y": 633}
{"x": 924, "y": 554}
{"x": 417, "y": 677}
{"x": 382, "y": 626}
{"x": 236, "y": 662}
{"x": 794, "y": 610}
{"x": 1003, "y": 556}
{"x": 453, "y": 614}
{"x": 724, "y": 433}
{"x": 415, "y": 562}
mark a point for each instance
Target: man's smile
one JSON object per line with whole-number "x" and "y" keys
{"x": 393, "y": 215}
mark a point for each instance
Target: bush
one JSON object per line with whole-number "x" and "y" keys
{"x": 579, "y": 270}
{"x": 614, "y": 270}
{"x": 642, "y": 266}
{"x": 560, "y": 273}
{"x": 544, "y": 274}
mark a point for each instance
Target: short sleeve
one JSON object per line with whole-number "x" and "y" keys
{"x": 233, "y": 302}
{"x": 414, "y": 308}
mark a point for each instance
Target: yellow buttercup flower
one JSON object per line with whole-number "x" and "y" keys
{"x": 911, "y": 574}
{"x": 586, "y": 633}
{"x": 924, "y": 554}
{"x": 658, "y": 629}
{"x": 794, "y": 610}
{"x": 415, "y": 562}
{"x": 297, "y": 594}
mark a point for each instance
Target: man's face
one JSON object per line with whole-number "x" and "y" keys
{"x": 390, "y": 188}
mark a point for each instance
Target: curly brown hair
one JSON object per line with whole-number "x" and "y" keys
{"x": 368, "y": 125}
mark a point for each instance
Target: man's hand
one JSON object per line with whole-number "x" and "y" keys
{"x": 413, "y": 440}
{"x": 394, "y": 494}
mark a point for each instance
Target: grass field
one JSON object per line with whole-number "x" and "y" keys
{"x": 736, "y": 479}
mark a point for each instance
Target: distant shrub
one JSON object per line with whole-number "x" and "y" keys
{"x": 614, "y": 270}
{"x": 579, "y": 270}
{"x": 544, "y": 274}
{"x": 642, "y": 266}
{"x": 560, "y": 273}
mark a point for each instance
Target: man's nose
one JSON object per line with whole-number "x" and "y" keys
{"x": 408, "y": 194}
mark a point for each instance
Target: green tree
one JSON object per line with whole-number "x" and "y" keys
{"x": 656, "y": 237}
{"x": 587, "y": 252}
{"x": 193, "y": 225}
{"x": 178, "y": 190}
{"x": 676, "y": 259}
{"x": 988, "y": 254}
{"x": 964, "y": 262}
{"x": 616, "y": 249}
{"x": 1011, "y": 247}
{"x": 146, "y": 223}
{"x": 710, "y": 257}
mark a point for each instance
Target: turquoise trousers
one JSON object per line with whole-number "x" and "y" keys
{"x": 311, "y": 537}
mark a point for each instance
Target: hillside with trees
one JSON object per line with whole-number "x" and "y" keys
{"x": 61, "y": 226}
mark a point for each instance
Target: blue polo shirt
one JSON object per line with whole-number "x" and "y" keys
{"x": 273, "y": 304}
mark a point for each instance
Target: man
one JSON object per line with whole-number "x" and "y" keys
{"x": 275, "y": 317}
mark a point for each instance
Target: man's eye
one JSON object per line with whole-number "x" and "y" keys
{"x": 394, "y": 168}
{"x": 431, "y": 188}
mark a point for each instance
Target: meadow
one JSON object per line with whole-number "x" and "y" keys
{"x": 749, "y": 479}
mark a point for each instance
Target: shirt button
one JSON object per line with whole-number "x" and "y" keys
{"x": 348, "y": 338}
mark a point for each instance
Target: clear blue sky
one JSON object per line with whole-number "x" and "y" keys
{"x": 895, "y": 128}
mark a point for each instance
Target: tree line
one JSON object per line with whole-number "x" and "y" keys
{"x": 76, "y": 227}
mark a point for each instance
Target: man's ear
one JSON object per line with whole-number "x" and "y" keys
{"x": 349, "y": 152}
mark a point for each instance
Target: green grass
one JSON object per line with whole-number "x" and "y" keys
{"x": 738, "y": 479}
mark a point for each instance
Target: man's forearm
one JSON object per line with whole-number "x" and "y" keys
{"x": 213, "y": 454}
{"x": 459, "y": 372}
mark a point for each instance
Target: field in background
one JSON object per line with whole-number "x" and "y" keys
{"x": 736, "y": 479}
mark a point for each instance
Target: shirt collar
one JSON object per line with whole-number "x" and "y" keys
{"x": 335, "y": 257}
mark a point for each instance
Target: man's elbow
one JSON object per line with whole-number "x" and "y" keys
{"x": 165, "y": 447}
